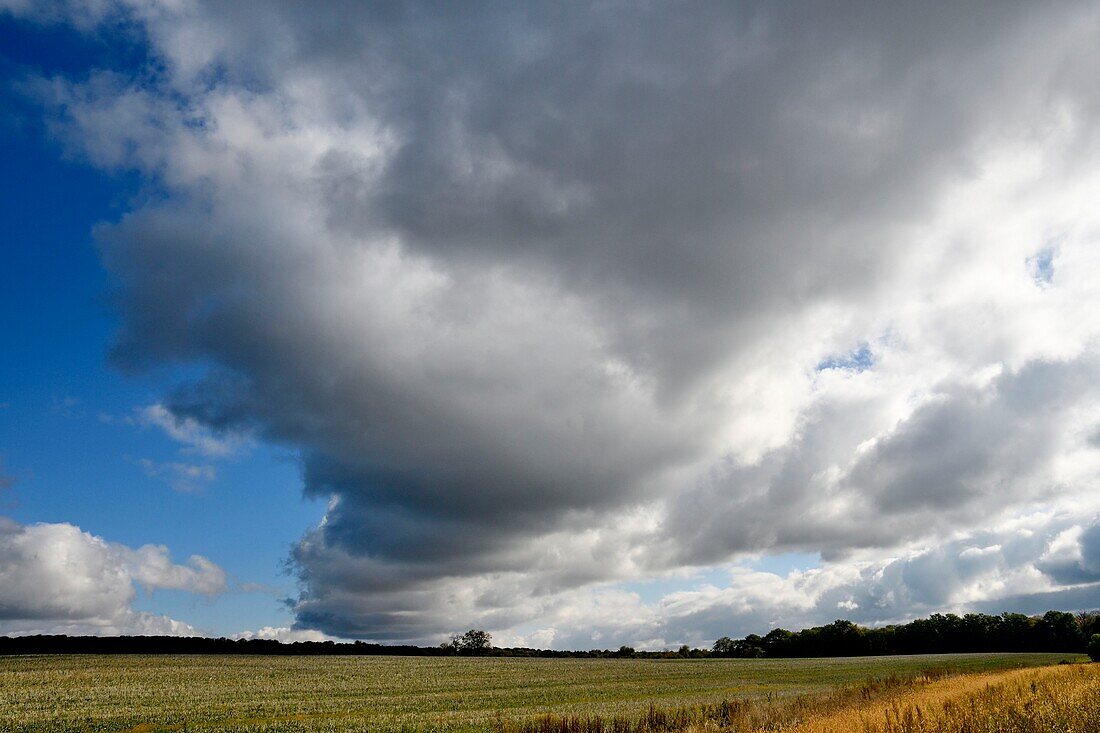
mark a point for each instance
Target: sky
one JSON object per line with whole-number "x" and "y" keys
{"x": 587, "y": 324}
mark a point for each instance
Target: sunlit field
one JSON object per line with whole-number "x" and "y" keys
{"x": 254, "y": 693}
{"x": 1065, "y": 698}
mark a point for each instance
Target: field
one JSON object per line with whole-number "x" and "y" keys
{"x": 337, "y": 694}
{"x": 1062, "y": 699}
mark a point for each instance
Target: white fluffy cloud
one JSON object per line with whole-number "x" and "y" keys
{"x": 284, "y": 634}
{"x": 549, "y": 300}
{"x": 1029, "y": 564}
{"x": 195, "y": 436}
{"x": 56, "y": 578}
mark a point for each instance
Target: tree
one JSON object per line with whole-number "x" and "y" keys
{"x": 751, "y": 647}
{"x": 1089, "y": 623}
{"x": 778, "y": 642}
{"x": 841, "y": 638}
{"x": 1094, "y": 648}
{"x": 1059, "y": 631}
{"x": 1016, "y": 633}
{"x": 473, "y": 641}
{"x": 723, "y": 647}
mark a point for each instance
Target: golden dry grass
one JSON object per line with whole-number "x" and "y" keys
{"x": 1058, "y": 699}
{"x": 1061, "y": 699}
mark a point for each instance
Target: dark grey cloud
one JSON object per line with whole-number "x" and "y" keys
{"x": 538, "y": 292}
{"x": 669, "y": 161}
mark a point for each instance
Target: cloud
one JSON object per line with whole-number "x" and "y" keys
{"x": 56, "y": 578}
{"x": 552, "y": 301}
{"x": 985, "y": 571}
{"x": 1075, "y": 559}
{"x": 284, "y": 634}
{"x": 186, "y": 478}
{"x": 188, "y": 431}
{"x": 152, "y": 568}
{"x": 857, "y": 476}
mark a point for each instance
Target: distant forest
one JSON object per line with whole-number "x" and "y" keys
{"x": 1054, "y": 631}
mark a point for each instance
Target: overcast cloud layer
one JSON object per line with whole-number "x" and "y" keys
{"x": 555, "y": 297}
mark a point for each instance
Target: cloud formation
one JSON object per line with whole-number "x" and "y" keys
{"x": 284, "y": 634}
{"x": 56, "y": 578}
{"x": 193, "y": 435}
{"x": 549, "y": 299}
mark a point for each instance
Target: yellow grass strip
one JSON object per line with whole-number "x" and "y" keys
{"x": 1061, "y": 699}
{"x": 1065, "y": 699}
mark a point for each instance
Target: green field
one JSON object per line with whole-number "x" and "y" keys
{"x": 253, "y": 693}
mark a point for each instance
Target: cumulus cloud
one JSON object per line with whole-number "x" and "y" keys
{"x": 1007, "y": 566}
{"x": 56, "y": 578}
{"x": 284, "y": 634}
{"x": 553, "y": 298}
{"x": 855, "y": 475}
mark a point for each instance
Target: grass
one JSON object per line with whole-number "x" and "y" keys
{"x": 343, "y": 694}
{"x": 1062, "y": 699}
{"x": 1058, "y": 699}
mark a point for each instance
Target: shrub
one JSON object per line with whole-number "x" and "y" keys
{"x": 1094, "y": 648}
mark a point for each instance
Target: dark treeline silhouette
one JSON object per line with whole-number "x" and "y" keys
{"x": 1054, "y": 631}
{"x": 61, "y": 644}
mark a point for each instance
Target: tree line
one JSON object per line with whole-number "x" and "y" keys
{"x": 1054, "y": 631}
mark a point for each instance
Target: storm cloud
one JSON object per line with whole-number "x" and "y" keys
{"x": 549, "y": 298}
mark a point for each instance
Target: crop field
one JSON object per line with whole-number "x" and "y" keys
{"x": 343, "y": 694}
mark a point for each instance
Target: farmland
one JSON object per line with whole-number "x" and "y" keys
{"x": 1065, "y": 699}
{"x": 337, "y": 694}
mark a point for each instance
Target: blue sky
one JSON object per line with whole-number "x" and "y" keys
{"x": 67, "y": 429}
{"x": 390, "y": 325}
